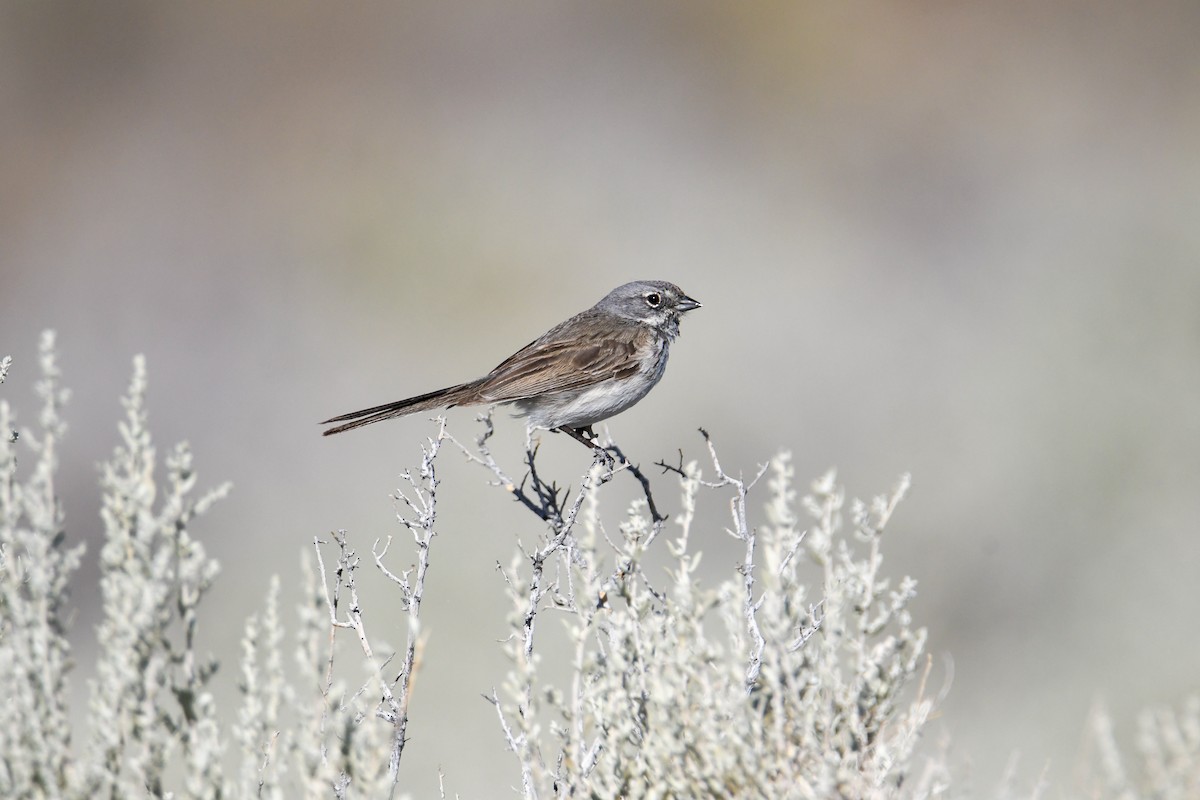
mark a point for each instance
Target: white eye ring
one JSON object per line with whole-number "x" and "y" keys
{"x": 654, "y": 299}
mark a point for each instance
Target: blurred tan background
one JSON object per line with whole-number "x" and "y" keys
{"x": 955, "y": 239}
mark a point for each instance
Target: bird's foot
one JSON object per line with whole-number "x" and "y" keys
{"x": 587, "y": 437}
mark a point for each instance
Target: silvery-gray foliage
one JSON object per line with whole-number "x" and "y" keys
{"x": 36, "y": 564}
{"x": 799, "y": 674}
{"x": 758, "y": 686}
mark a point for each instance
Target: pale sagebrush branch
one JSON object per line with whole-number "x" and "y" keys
{"x": 421, "y": 500}
{"x": 554, "y": 507}
{"x": 36, "y": 568}
{"x": 259, "y": 729}
{"x": 150, "y": 697}
{"x": 546, "y": 504}
{"x": 543, "y": 500}
{"x": 345, "y": 575}
{"x": 742, "y": 531}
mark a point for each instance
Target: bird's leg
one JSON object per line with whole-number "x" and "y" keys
{"x": 586, "y": 436}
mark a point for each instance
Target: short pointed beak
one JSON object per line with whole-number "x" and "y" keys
{"x": 687, "y": 304}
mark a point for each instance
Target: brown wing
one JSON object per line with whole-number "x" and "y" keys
{"x": 583, "y": 351}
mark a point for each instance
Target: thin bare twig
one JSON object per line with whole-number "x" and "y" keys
{"x": 742, "y": 530}
{"x": 420, "y": 501}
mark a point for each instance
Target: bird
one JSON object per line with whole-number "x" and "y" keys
{"x": 582, "y": 371}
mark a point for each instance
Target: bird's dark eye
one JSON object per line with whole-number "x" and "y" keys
{"x": 654, "y": 299}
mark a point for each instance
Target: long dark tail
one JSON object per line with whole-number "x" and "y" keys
{"x": 452, "y": 396}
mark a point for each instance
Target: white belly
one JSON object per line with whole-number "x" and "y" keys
{"x": 580, "y": 408}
